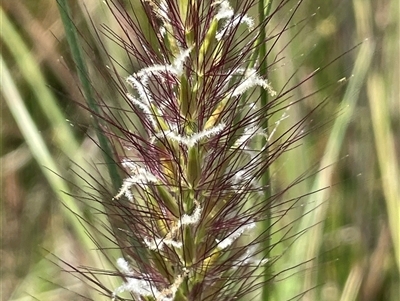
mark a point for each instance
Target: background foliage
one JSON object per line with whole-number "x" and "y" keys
{"x": 43, "y": 130}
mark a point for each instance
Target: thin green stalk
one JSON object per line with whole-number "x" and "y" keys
{"x": 264, "y": 8}
{"x": 76, "y": 51}
{"x": 73, "y": 41}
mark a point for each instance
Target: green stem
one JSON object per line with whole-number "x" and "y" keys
{"x": 264, "y": 8}
{"x": 77, "y": 56}
{"x": 73, "y": 41}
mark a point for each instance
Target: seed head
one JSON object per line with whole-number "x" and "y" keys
{"x": 189, "y": 146}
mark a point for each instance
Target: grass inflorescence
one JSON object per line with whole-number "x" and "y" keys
{"x": 211, "y": 120}
{"x": 196, "y": 206}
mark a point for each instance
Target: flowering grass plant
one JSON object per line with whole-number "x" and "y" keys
{"x": 191, "y": 178}
{"x": 193, "y": 213}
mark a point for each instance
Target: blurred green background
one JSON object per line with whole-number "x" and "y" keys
{"x": 356, "y": 248}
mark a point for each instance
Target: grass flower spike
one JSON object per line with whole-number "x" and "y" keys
{"x": 192, "y": 197}
{"x": 195, "y": 148}
{"x": 200, "y": 150}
